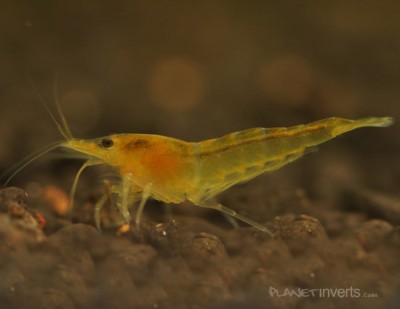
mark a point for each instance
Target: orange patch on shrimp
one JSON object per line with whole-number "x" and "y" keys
{"x": 161, "y": 161}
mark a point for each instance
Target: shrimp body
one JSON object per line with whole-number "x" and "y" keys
{"x": 172, "y": 170}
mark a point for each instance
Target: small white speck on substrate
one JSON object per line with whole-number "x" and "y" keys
{"x": 312, "y": 275}
{"x": 164, "y": 233}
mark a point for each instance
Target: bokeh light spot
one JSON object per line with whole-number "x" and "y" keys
{"x": 176, "y": 83}
{"x": 287, "y": 79}
{"x": 82, "y": 110}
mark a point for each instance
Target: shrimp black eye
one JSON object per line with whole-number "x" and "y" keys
{"x": 107, "y": 143}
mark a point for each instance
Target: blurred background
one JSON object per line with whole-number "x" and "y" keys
{"x": 195, "y": 70}
{"x": 200, "y": 69}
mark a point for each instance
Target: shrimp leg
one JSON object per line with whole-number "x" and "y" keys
{"x": 145, "y": 195}
{"x": 125, "y": 198}
{"x": 227, "y": 211}
{"x": 231, "y": 220}
{"x": 100, "y": 203}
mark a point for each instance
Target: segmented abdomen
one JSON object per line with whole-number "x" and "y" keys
{"x": 240, "y": 156}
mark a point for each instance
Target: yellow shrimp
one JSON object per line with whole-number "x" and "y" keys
{"x": 172, "y": 170}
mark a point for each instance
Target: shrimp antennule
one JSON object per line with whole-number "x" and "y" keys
{"x": 27, "y": 160}
{"x": 62, "y": 127}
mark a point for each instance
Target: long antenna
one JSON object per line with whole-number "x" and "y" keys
{"x": 27, "y": 160}
{"x": 64, "y": 121}
{"x": 62, "y": 128}
{"x": 65, "y": 133}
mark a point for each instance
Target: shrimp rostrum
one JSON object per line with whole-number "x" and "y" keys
{"x": 172, "y": 170}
